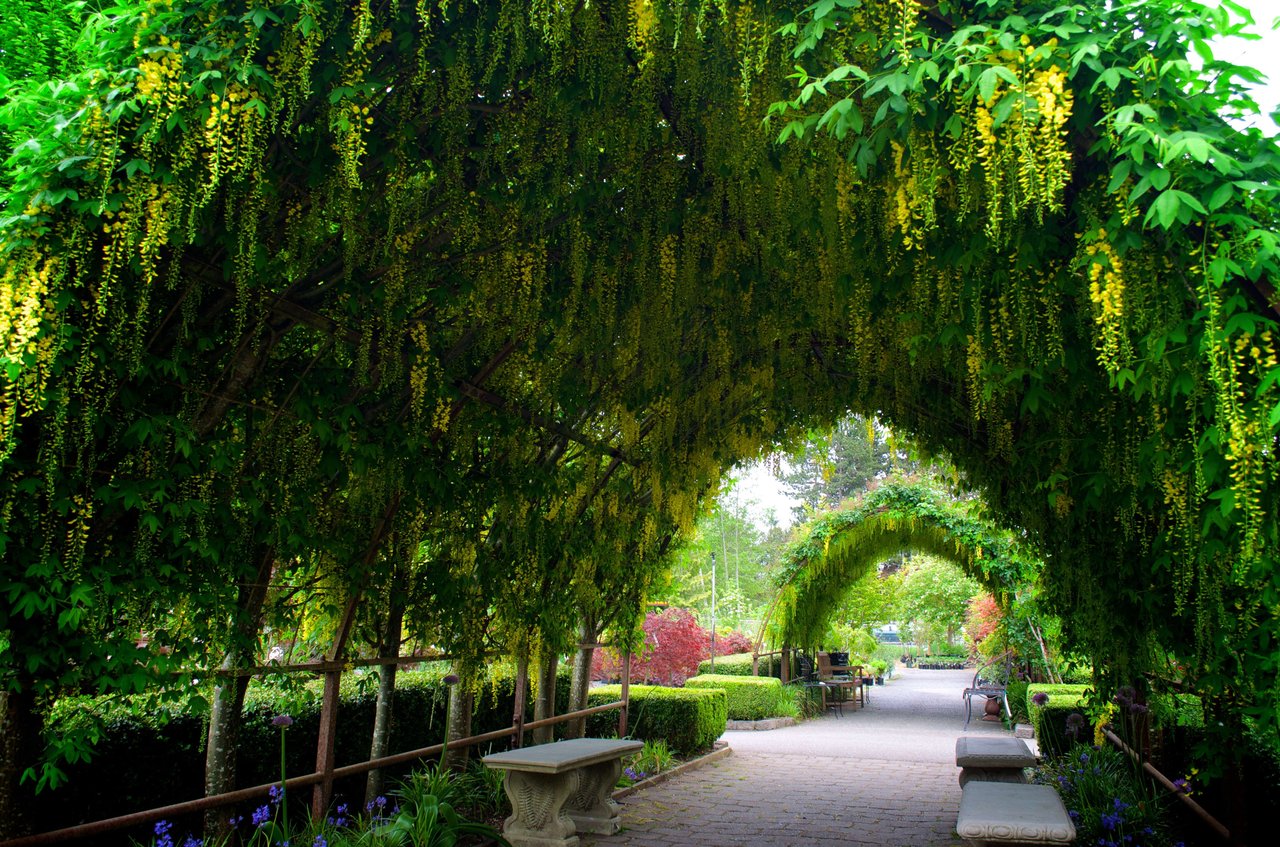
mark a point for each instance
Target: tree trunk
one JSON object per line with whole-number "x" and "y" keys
{"x": 20, "y": 728}
{"x": 545, "y": 706}
{"x": 228, "y": 700}
{"x": 580, "y": 687}
{"x": 386, "y": 693}
{"x": 223, "y": 741}
{"x": 461, "y": 701}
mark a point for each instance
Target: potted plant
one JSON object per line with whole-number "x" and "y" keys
{"x": 879, "y": 666}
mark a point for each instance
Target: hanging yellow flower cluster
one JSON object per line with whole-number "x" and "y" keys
{"x": 1106, "y": 292}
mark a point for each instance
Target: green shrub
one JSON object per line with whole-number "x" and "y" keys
{"x": 1050, "y": 720}
{"x": 739, "y": 664}
{"x": 1016, "y": 691}
{"x": 688, "y": 719}
{"x": 151, "y": 756}
{"x": 749, "y": 698}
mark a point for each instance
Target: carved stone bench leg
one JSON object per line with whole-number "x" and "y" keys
{"x": 592, "y": 806}
{"x": 539, "y": 818}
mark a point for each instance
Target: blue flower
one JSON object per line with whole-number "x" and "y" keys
{"x": 1075, "y": 816}
{"x": 163, "y": 838}
{"x": 192, "y": 841}
{"x": 1084, "y": 758}
{"x": 320, "y": 841}
{"x": 282, "y": 721}
{"x": 1110, "y": 822}
{"x": 1120, "y": 806}
{"x": 235, "y": 820}
{"x": 261, "y": 815}
{"x": 276, "y": 793}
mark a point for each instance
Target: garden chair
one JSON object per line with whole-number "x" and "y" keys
{"x": 842, "y": 677}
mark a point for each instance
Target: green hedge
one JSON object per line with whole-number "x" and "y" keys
{"x": 739, "y": 664}
{"x": 749, "y": 698}
{"x": 1050, "y": 720}
{"x": 154, "y": 757}
{"x": 688, "y": 719}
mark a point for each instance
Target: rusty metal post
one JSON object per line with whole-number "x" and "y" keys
{"x": 626, "y": 694}
{"x": 522, "y": 688}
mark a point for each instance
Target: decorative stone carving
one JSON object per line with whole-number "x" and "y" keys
{"x": 994, "y": 813}
{"x": 560, "y": 789}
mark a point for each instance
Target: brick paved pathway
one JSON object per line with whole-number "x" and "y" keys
{"x": 884, "y": 776}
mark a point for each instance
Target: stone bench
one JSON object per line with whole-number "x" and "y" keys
{"x": 1002, "y": 813}
{"x": 998, "y": 759}
{"x": 560, "y": 789}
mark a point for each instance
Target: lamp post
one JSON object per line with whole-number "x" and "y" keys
{"x": 713, "y": 611}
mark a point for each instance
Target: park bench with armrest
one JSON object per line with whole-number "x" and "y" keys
{"x": 560, "y": 789}
{"x": 986, "y": 685}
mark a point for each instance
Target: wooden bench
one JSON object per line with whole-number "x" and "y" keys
{"x": 560, "y": 789}
{"x": 1003, "y": 813}
{"x": 998, "y": 759}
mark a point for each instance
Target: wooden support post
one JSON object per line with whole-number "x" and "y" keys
{"x": 522, "y": 688}
{"x": 626, "y": 694}
{"x": 755, "y": 664}
{"x": 326, "y": 744}
{"x": 323, "y": 791}
{"x": 786, "y": 664}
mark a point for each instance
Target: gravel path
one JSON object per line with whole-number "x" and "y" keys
{"x": 881, "y": 775}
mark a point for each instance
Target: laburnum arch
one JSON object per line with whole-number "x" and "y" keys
{"x": 471, "y": 303}
{"x": 843, "y": 546}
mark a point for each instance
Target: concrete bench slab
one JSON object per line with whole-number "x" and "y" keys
{"x": 558, "y": 790}
{"x": 999, "y": 759}
{"x": 1000, "y": 813}
{"x": 998, "y": 752}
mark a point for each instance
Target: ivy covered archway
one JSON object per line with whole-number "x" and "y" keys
{"x": 843, "y": 546}
{"x": 474, "y": 301}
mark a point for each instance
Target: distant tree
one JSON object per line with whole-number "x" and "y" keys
{"x": 833, "y": 466}
{"x": 744, "y": 555}
{"x": 935, "y": 598}
{"x": 871, "y": 601}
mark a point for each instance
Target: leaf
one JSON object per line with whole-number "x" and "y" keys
{"x": 987, "y": 83}
{"x": 1118, "y": 175}
{"x": 1220, "y": 197}
{"x": 1110, "y": 78}
{"x": 1166, "y": 208}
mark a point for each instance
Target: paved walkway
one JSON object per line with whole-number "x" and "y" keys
{"x": 884, "y": 775}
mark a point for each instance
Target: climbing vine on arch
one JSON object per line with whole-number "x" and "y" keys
{"x": 844, "y": 545}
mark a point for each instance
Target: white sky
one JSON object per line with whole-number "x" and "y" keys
{"x": 761, "y": 491}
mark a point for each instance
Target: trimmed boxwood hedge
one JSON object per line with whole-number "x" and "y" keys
{"x": 688, "y": 719}
{"x": 739, "y": 664}
{"x": 1050, "y": 720}
{"x": 154, "y": 757}
{"x": 750, "y": 698}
